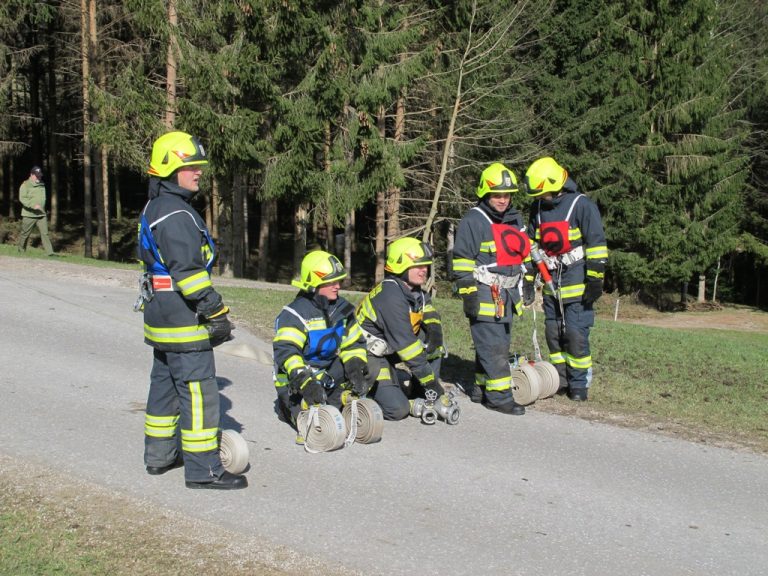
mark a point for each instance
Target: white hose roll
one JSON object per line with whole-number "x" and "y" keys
{"x": 233, "y": 450}
{"x": 525, "y": 384}
{"x": 370, "y": 420}
{"x": 323, "y": 428}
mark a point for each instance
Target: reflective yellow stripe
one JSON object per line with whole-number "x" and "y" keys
{"x": 463, "y": 265}
{"x": 595, "y": 274}
{"x": 480, "y": 379}
{"x": 583, "y": 363}
{"x": 199, "y": 440}
{"x": 468, "y": 290}
{"x": 160, "y": 426}
{"x": 487, "y": 309}
{"x": 291, "y": 335}
{"x": 353, "y": 353}
{"x": 281, "y": 380}
{"x": 354, "y": 332}
{"x": 556, "y": 358}
{"x": 410, "y": 352}
{"x": 294, "y": 362}
{"x": 197, "y": 404}
{"x": 574, "y": 234}
{"x": 427, "y": 379}
{"x": 597, "y": 252}
{"x": 384, "y": 374}
{"x": 488, "y": 247}
{"x": 175, "y": 335}
{"x": 573, "y": 291}
{"x": 498, "y": 384}
{"x": 194, "y": 283}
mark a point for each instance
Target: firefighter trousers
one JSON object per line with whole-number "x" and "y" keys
{"x": 567, "y": 336}
{"x": 183, "y": 411}
{"x": 492, "y": 371}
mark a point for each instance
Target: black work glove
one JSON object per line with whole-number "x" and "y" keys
{"x": 529, "y": 293}
{"x": 358, "y": 375}
{"x": 593, "y": 290}
{"x": 434, "y": 386}
{"x": 307, "y": 384}
{"x": 219, "y": 327}
{"x": 471, "y": 304}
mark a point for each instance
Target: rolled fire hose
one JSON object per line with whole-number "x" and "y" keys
{"x": 525, "y": 384}
{"x": 233, "y": 451}
{"x": 364, "y": 420}
{"x": 323, "y": 428}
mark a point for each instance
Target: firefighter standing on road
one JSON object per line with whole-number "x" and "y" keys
{"x": 567, "y": 226}
{"x": 184, "y": 318}
{"x": 319, "y": 349}
{"x": 488, "y": 265}
{"x": 401, "y": 325}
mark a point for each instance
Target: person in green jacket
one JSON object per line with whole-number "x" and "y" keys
{"x": 32, "y": 198}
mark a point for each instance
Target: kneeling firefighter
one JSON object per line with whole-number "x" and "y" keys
{"x": 184, "y": 318}
{"x": 568, "y": 228}
{"x": 401, "y": 324}
{"x": 319, "y": 349}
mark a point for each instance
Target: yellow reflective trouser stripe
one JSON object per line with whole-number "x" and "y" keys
{"x": 175, "y": 335}
{"x": 384, "y": 374}
{"x": 498, "y": 384}
{"x": 556, "y": 358}
{"x": 596, "y": 252}
{"x": 574, "y": 234}
{"x": 463, "y": 265}
{"x": 583, "y": 363}
{"x": 467, "y": 290}
{"x": 479, "y": 379}
{"x": 198, "y": 439}
{"x": 595, "y": 274}
{"x": 573, "y": 291}
{"x": 489, "y": 246}
{"x": 160, "y": 426}
{"x": 427, "y": 379}
{"x": 291, "y": 335}
{"x": 411, "y": 351}
{"x": 194, "y": 283}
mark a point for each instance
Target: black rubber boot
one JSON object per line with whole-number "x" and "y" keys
{"x": 509, "y": 408}
{"x": 477, "y": 394}
{"x": 578, "y": 394}
{"x": 227, "y": 481}
{"x": 158, "y": 470}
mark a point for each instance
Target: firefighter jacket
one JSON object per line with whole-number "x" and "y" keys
{"x": 402, "y": 319}
{"x": 491, "y": 248}
{"x": 313, "y": 332}
{"x": 570, "y": 232}
{"x": 30, "y": 194}
{"x": 178, "y": 252}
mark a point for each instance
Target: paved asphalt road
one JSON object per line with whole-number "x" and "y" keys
{"x": 538, "y": 495}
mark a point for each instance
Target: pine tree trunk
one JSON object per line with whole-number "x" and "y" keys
{"x": 237, "y": 235}
{"x": 299, "y": 235}
{"x": 265, "y": 225}
{"x": 87, "y": 181}
{"x": 714, "y": 285}
{"x": 170, "y": 69}
{"x": 52, "y": 125}
{"x": 349, "y": 238}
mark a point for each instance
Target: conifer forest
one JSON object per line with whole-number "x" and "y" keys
{"x": 344, "y": 124}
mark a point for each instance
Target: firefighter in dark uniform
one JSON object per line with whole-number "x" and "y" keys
{"x": 319, "y": 349}
{"x": 401, "y": 325}
{"x": 184, "y": 318}
{"x": 489, "y": 257}
{"x": 568, "y": 228}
